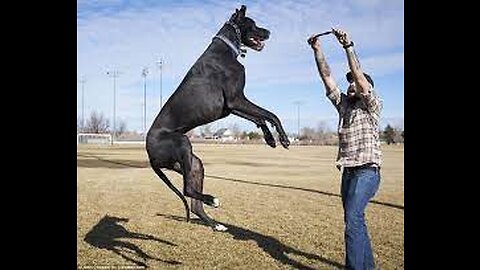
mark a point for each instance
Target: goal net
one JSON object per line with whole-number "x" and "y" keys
{"x": 94, "y": 138}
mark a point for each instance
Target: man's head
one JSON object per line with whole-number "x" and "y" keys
{"x": 351, "y": 91}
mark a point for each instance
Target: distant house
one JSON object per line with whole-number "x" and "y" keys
{"x": 224, "y": 134}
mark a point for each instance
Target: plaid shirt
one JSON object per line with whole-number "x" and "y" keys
{"x": 358, "y": 129}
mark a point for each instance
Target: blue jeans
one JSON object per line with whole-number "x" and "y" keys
{"x": 359, "y": 185}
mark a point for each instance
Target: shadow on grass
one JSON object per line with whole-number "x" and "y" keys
{"x": 106, "y": 233}
{"x": 98, "y": 162}
{"x": 270, "y": 245}
{"x": 101, "y": 162}
{"x": 301, "y": 189}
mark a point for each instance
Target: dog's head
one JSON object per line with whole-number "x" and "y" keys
{"x": 251, "y": 35}
{"x": 113, "y": 220}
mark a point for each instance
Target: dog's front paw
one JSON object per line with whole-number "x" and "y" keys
{"x": 284, "y": 141}
{"x": 267, "y": 136}
{"x": 271, "y": 142}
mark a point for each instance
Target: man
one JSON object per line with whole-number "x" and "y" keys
{"x": 359, "y": 154}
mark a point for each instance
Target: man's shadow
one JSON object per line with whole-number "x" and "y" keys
{"x": 270, "y": 245}
{"x": 107, "y": 232}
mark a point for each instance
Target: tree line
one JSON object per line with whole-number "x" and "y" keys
{"x": 98, "y": 123}
{"x": 321, "y": 135}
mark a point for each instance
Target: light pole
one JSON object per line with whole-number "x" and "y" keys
{"x": 144, "y": 74}
{"x": 114, "y": 74}
{"x": 298, "y": 103}
{"x": 82, "y": 81}
{"x": 160, "y": 67}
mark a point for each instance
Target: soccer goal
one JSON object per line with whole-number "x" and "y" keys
{"x": 94, "y": 138}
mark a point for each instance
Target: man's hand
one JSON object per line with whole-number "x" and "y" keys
{"x": 314, "y": 42}
{"x": 342, "y": 36}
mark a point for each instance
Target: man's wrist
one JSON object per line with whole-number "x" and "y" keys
{"x": 348, "y": 45}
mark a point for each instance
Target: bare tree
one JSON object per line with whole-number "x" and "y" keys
{"x": 389, "y": 134}
{"x": 398, "y": 135}
{"x": 322, "y": 127}
{"x": 253, "y": 135}
{"x": 321, "y": 135}
{"x": 308, "y": 133}
{"x": 122, "y": 128}
{"x": 79, "y": 125}
{"x": 324, "y": 134}
{"x": 97, "y": 123}
{"x": 243, "y": 136}
{"x": 235, "y": 130}
{"x": 205, "y": 130}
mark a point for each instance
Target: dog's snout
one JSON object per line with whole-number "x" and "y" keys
{"x": 264, "y": 33}
{"x": 267, "y": 34}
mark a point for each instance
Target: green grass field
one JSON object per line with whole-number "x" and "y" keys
{"x": 282, "y": 208}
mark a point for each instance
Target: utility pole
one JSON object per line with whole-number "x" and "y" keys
{"x": 144, "y": 74}
{"x": 160, "y": 67}
{"x": 114, "y": 74}
{"x": 82, "y": 81}
{"x": 298, "y": 103}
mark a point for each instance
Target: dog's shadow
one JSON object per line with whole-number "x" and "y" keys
{"x": 270, "y": 245}
{"x": 107, "y": 232}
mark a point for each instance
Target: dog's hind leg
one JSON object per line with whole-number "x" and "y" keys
{"x": 197, "y": 209}
{"x": 192, "y": 169}
{"x": 162, "y": 176}
{"x": 162, "y": 153}
{"x": 174, "y": 151}
{"x": 195, "y": 182}
{"x": 196, "y": 205}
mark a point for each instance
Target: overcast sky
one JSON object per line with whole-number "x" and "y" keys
{"x": 126, "y": 36}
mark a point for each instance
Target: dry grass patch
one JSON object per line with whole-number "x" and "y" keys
{"x": 282, "y": 208}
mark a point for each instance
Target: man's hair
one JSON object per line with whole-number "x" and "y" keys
{"x": 350, "y": 78}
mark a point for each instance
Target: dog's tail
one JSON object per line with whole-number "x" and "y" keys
{"x": 172, "y": 187}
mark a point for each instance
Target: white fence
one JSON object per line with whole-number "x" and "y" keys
{"x": 94, "y": 138}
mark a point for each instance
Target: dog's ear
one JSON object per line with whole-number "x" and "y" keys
{"x": 239, "y": 14}
{"x": 243, "y": 10}
{"x": 234, "y": 16}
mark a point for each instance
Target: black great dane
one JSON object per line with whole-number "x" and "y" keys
{"x": 211, "y": 90}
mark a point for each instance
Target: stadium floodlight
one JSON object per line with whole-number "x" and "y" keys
{"x": 114, "y": 74}
{"x": 82, "y": 81}
{"x": 160, "y": 67}
{"x": 144, "y": 74}
{"x": 298, "y": 103}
